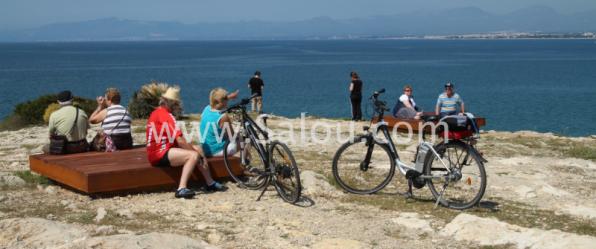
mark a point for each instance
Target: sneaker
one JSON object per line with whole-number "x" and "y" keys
{"x": 185, "y": 193}
{"x": 216, "y": 186}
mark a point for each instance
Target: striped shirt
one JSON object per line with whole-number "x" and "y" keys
{"x": 115, "y": 113}
{"x": 449, "y": 104}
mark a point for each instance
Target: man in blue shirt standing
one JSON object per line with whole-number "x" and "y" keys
{"x": 448, "y": 102}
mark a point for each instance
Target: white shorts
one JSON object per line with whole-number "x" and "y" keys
{"x": 232, "y": 149}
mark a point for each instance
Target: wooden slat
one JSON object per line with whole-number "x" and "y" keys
{"x": 402, "y": 124}
{"x": 98, "y": 172}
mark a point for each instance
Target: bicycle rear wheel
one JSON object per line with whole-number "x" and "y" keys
{"x": 253, "y": 167}
{"x": 286, "y": 172}
{"x": 464, "y": 186}
{"x": 354, "y": 174}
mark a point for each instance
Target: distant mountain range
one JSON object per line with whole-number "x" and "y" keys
{"x": 454, "y": 21}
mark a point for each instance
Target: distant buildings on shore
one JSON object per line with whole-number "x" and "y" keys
{"x": 487, "y": 36}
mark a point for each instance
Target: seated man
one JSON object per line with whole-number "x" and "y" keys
{"x": 406, "y": 108}
{"x": 213, "y": 123}
{"x": 448, "y": 102}
{"x": 114, "y": 119}
{"x": 166, "y": 147}
{"x": 71, "y": 122}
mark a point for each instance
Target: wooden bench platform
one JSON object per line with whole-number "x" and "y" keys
{"x": 416, "y": 124}
{"x": 120, "y": 171}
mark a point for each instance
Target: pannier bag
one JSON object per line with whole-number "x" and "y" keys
{"x": 459, "y": 126}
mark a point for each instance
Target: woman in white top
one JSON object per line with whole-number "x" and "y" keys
{"x": 114, "y": 119}
{"x": 406, "y": 108}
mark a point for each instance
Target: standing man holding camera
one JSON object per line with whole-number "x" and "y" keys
{"x": 256, "y": 86}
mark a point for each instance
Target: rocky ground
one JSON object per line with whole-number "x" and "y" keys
{"x": 540, "y": 194}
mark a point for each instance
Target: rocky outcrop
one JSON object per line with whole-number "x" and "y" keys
{"x": 492, "y": 232}
{"x": 314, "y": 184}
{"x": 41, "y": 233}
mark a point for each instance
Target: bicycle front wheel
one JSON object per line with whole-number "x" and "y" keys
{"x": 285, "y": 171}
{"x": 253, "y": 174}
{"x": 363, "y": 167}
{"x": 463, "y": 185}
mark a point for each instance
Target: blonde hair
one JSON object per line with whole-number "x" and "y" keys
{"x": 217, "y": 96}
{"x": 407, "y": 87}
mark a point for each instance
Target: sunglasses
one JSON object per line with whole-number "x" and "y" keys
{"x": 408, "y": 90}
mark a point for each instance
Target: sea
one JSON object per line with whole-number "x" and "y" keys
{"x": 539, "y": 85}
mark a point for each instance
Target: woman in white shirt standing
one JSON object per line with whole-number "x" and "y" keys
{"x": 114, "y": 118}
{"x": 406, "y": 108}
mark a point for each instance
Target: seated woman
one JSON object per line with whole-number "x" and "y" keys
{"x": 213, "y": 134}
{"x": 406, "y": 108}
{"x": 170, "y": 148}
{"x": 114, "y": 119}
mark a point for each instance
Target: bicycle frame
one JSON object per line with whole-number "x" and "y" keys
{"x": 401, "y": 166}
{"x": 253, "y": 130}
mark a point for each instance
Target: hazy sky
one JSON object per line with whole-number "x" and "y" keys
{"x": 17, "y": 14}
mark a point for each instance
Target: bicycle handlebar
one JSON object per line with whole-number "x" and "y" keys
{"x": 240, "y": 104}
{"x": 379, "y": 105}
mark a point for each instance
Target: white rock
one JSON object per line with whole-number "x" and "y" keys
{"x": 3, "y": 198}
{"x": 104, "y": 230}
{"x": 145, "y": 241}
{"x": 412, "y": 221}
{"x": 339, "y": 244}
{"x": 40, "y": 233}
{"x": 525, "y": 191}
{"x": 37, "y": 233}
{"x": 201, "y": 227}
{"x": 490, "y": 232}
{"x": 554, "y": 191}
{"x": 316, "y": 184}
{"x": 51, "y": 190}
{"x": 11, "y": 181}
{"x": 582, "y": 211}
{"x": 124, "y": 231}
{"x": 72, "y": 206}
{"x": 214, "y": 238}
{"x": 101, "y": 214}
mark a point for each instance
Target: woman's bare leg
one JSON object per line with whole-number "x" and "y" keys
{"x": 185, "y": 158}
{"x": 204, "y": 168}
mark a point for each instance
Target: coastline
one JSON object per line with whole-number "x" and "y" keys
{"x": 538, "y": 189}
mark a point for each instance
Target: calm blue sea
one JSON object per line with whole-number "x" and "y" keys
{"x": 542, "y": 85}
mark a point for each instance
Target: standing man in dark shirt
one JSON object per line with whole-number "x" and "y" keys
{"x": 256, "y": 87}
{"x": 356, "y": 96}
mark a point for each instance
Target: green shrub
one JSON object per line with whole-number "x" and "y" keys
{"x": 32, "y": 112}
{"x": 583, "y": 152}
{"x": 144, "y": 101}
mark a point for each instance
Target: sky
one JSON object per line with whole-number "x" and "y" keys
{"x": 20, "y": 14}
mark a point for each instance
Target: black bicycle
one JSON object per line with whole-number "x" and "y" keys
{"x": 452, "y": 169}
{"x": 263, "y": 162}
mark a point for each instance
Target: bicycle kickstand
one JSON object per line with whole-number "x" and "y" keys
{"x": 442, "y": 192}
{"x": 264, "y": 189}
{"x": 410, "y": 194}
